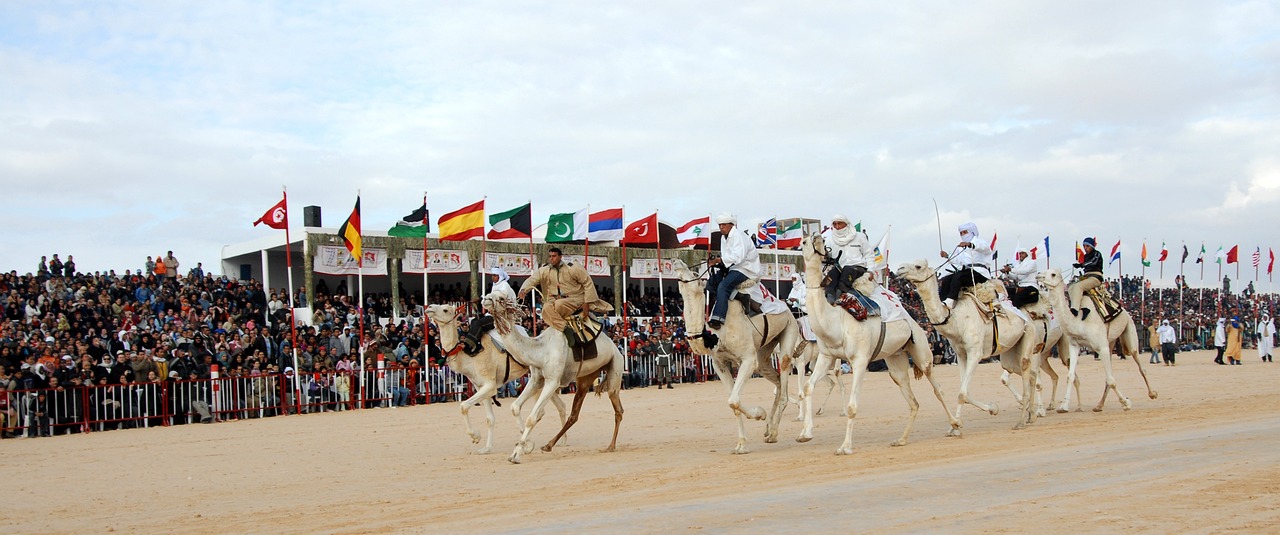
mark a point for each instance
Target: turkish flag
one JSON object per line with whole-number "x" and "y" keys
{"x": 643, "y": 231}
{"x": 277, "y": 217}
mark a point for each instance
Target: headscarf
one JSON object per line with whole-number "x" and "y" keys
{"x": 842, "y": 236}
{"x": 1164, "y": 323}
{"x": 501, "y": 273}
{"x": 968, "y": 231}
{"x": 1235, "y": 321}
{"x": 726, "y": 218}
{"x": 1021, "y": 250}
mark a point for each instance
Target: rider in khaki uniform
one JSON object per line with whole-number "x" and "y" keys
{"x": 566, "y": 289}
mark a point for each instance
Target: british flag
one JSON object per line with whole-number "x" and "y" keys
{"x": 767, "y": 235}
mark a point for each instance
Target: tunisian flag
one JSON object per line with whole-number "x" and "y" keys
{"x": 277, "y": 217}
{"x": 643, "y": 231}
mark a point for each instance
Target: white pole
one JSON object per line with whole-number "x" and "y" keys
{"x": 266, "y": 286}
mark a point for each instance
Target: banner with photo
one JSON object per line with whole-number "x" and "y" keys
{"x": 331, "y": 260}
{"x": 522, "y": 265}
{"x": 647, "y": 268}
{"x": 442, "y": 261}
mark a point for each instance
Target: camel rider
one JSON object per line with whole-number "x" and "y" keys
{"x": 1090, "y": 279}
{"x": 471, "y": 338}
{"x": 796, "y": 296}
{"x": 970, "y": 266}
{"x": 739, "y": 262}
{"x": 1023, "y": 274}
{"x": 849, "y": 249}
{"x": 566, "y": 289}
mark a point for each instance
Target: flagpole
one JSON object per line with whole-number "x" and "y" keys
{"x": 484, "y": 256}
{"x": 293, "y": 322}
{"x": 777, "y": 274}
{"x": 626, "y": 340}
{"x": 533, "y": 266}
{"x": 426, "y": 287}
{"x": 360, "y": 310}
{"x": 1182, "y": 281}
{"x": 662, "y": 303}
{"x": 1142, "y": 287}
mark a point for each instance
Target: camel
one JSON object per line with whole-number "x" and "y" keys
{"x": 551, "y": 364}
{"x": 807, "y": 357}
{"x": 745, "y": 343}
{"x": 974, "y": 338}
{"x": 1095, "y": 335}
{"x": 487, "y": 370}
{"x": 1050, "y": 336}
{"x": 859, "y": 342}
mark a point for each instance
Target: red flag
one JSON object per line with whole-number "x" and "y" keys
{"x": 643, "y": 231}
{"x": 277, "y": 217}
{"x": 1164, "y": 252}
{"x": 1233, "y": 255}
{"x": 1033, "y": 252}
{"x": 1079, "y": 253}
{"x": 1272, "y": 263}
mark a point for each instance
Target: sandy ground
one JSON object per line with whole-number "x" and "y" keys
{"x": 1203, "y": 458}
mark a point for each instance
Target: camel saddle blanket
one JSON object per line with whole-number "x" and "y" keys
{"x": 890, "y": 304}
{"x": 581, "y": 331}
{"x": 769, "y": 304}
{"x": 1104, "y": 304}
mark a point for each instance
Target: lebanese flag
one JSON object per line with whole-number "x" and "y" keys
{"x": 696, "y": 232}
{"x": 1233, "y": 255}
{"x": 642, "y": 231}
{"x": 277, "y": 217}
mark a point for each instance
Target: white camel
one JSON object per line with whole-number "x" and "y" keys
{"x": 975, "y": 337}
{"x": 860, "y": 342}
{"x": 802, "y": 367}
{"x": 745, "y": 343}
{"x": 1047, "y": 335}
{"x": 1096, "y": 335}
{"x": 487, "y": 370}
{"x": 551, "y": 364}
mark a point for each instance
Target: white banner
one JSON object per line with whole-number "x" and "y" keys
{"x": 332, "y": 260}
{"x": 647, "y": 268}
{"x": 522, "y": 265}
{"x": 442, "y": 261}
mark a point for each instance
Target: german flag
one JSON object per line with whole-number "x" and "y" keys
{"x": 350, "y": 232}
{"x": 462, "y": 224}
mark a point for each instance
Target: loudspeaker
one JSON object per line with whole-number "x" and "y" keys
{"x": 311, "y": 216}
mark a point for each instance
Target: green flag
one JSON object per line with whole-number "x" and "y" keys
{"x": 566, "y": 227}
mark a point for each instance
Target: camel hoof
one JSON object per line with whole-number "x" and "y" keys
{"x": 798, "y": 418}
{"x": 1063, "y": 409}
{"x": 995, "y": 410}
{"x": 475, "y": 438}
{"x": 483, "y": 451}
{"x": 547, "y": 448}
{"x": 741, "y": 450}
{"x": 1081, "y": 409}
{"x": 955, "y": 433}
{"x": 844, "y": 451}
{"x": 609, "y": 449}
{"x": 1019, "y": 426}
{"x": 1153, "y": 394}
{"x": 899, "y": 442}
{"x": 804, "y": 438}
{"x": 1097, "y": 409}
{"x": 1126, "y": 404}
{"x": 756, "y": 413}
{"x": 817, "y": 412}
{"x": 514, "y": 458}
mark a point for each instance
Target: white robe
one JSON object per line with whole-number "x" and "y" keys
{"x": 1266, "y": 333}
{"x": 739, "y": 254}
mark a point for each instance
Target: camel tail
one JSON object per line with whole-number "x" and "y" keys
{"x": 919, "y": 367}
{"x": 612, "y": 381}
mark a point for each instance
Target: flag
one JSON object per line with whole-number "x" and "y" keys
{"x": 462, "y": 224}
{"x": 350, "y": 232}
{"x": 1145, "y": 262}
{"x": 277, "y": 217}
{"x": 1200, "y": 258}
{"x": 1079, "y": 254}
{"x": 643, "y": 231}
{"x": 605, "y": 225}
{"x": 1272, "y": 263}
{"x": 881, "y": 252}
{"x": 568, "y": 226}
{"x": 994, "y": 237}
{"x": 767, "y": 235}
{"x": 1233, "y": 255}
{"x": 414, "y": 225}
{"x": 514, "y": 223}
{"x": 1046, "y": 247}
{"x": 1033, "y": 252}
{"x": 1257, "y": 257}
{"x": 696, "y": 232}
{"x": 1115, "y": 253}
{"x": 1164, "y": 252}
{"x": 1220, "y": 256}
{"x": 790, "y": 237}
{"x": 1185, "y": 253}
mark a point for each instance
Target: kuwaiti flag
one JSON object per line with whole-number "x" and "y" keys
{"x": 514, "y": 223}
{"x": 605, "y": 225}
{"x": 462, "y": 224}
{"x": 790, "y": 236}
{"x": 415, "y": 225}
{"x": 696, "y": 232}
{"x": 1115, "y": 253}
{"x": 567, "y": 227}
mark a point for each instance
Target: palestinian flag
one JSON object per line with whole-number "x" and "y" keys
{"x": 514, "y": 223}
{"x": 415, "y": 225}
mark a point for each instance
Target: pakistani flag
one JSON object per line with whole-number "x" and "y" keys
{"x": 414, "y": 225}
{"x": 566, "y": 227}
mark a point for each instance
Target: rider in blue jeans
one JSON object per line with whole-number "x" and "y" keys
{"x": 740, "y": 263}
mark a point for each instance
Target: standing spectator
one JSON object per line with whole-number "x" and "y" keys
{"x": 1266, "y": 334}
{"x": 1168, "y": 339}
{"x": 1220, "y": 339}
{"x": 663, "y": 353}
{"x": 149, "y": 267}
{"x": 161, "y": 270}
{"x": 197, "y": 273}
{"x": 69, "y": 267}
{"x": 171, "y": 265}
{"x": 1154, "y": 341}
{"x": 42, "y": 272}
{"x": 55, "y": 266}
{"x": 1235, "y": 340}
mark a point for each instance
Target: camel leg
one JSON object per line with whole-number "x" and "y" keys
{"x": 745, "y": 370}
{"x": 1053, "y": 392}
{"x": 971, "y": 365}
{"x": 1004, "y": 380}
{"x": 859, "y": 371}
{"x": 482, "y": 395}
{"x": 616, "y": 399}
{"x": 726, "y": 378}
{"x": 1129, "y": 345}
{"x": 523, "y": 446}
{"x": 1073, "y": 380}
{"x": 579, "y": 394}
{"x": 534, "y": 385}
{"x": 806, "y": 396}
{"x": 779, "y": 378}
{"x": 1105, "y": 355}
{"x": 831, "y": 387}
{"x": 800, "y": 380}
{"x": 899, "y": 372}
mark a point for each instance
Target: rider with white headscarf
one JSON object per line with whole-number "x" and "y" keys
{"x": 851, "y": 253}
{"x": 472, "y": 337}
{"x": 739, "y": 261}
{"x": 1023, "y": 274}
{"x": 970, "y": 266}
{"x": 501, "y": 283}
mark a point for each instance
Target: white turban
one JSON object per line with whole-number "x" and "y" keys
{"x": 842, "y": 236}
{"x": 968, "y": 231}
{"x": 1021, "y": 250}
{"x": 726, "y": 218}
{"x": 501, "y": 273}
{"x": 840, "y": 219}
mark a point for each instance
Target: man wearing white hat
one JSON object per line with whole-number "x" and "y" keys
{"x": 501, "y": 287}
{"x": 1023, "y": 274}
{"x": 850, "y": 250}
{"x": 970, "y": 266}
{"x": 739, "y": 261}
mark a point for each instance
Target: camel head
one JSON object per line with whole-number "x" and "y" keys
{"x": 1050, "y": 279}
{"x": 916, "y": 272}
{"x": 506, "y": 312}
{"x": 443, "y": 315}
{"x": 814, "y": 249}
{"x": 688, "y": 278}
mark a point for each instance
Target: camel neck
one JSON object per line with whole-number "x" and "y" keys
{"x": 933, "y": 307}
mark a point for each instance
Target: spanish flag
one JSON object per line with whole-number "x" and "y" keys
{"x": 350, "y": 232}
{"x": 462, "y": 224}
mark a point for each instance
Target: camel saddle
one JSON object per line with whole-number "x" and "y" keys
{"x": 1104, "y": 303}
{"x": 987, "y": 296}
{"x": 581, "y": 330}
{"x": 857, "y": 305}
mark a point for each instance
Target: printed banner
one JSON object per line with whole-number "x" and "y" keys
{"x": 647, "y": 268}
{"x": 443, "y": 261}
{"x": 521, "y": 265}
{"x": 331, "y": 260}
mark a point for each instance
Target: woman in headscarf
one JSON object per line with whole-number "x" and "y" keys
{"x": 970, "y": 266}
{"x": 850, "y": 250}
{"x": 1235, "y": 342}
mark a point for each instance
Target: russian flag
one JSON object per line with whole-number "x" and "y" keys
{"x": 605, "y": 225}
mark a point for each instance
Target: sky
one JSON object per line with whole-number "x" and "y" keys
{"x": 128, "y": 129}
